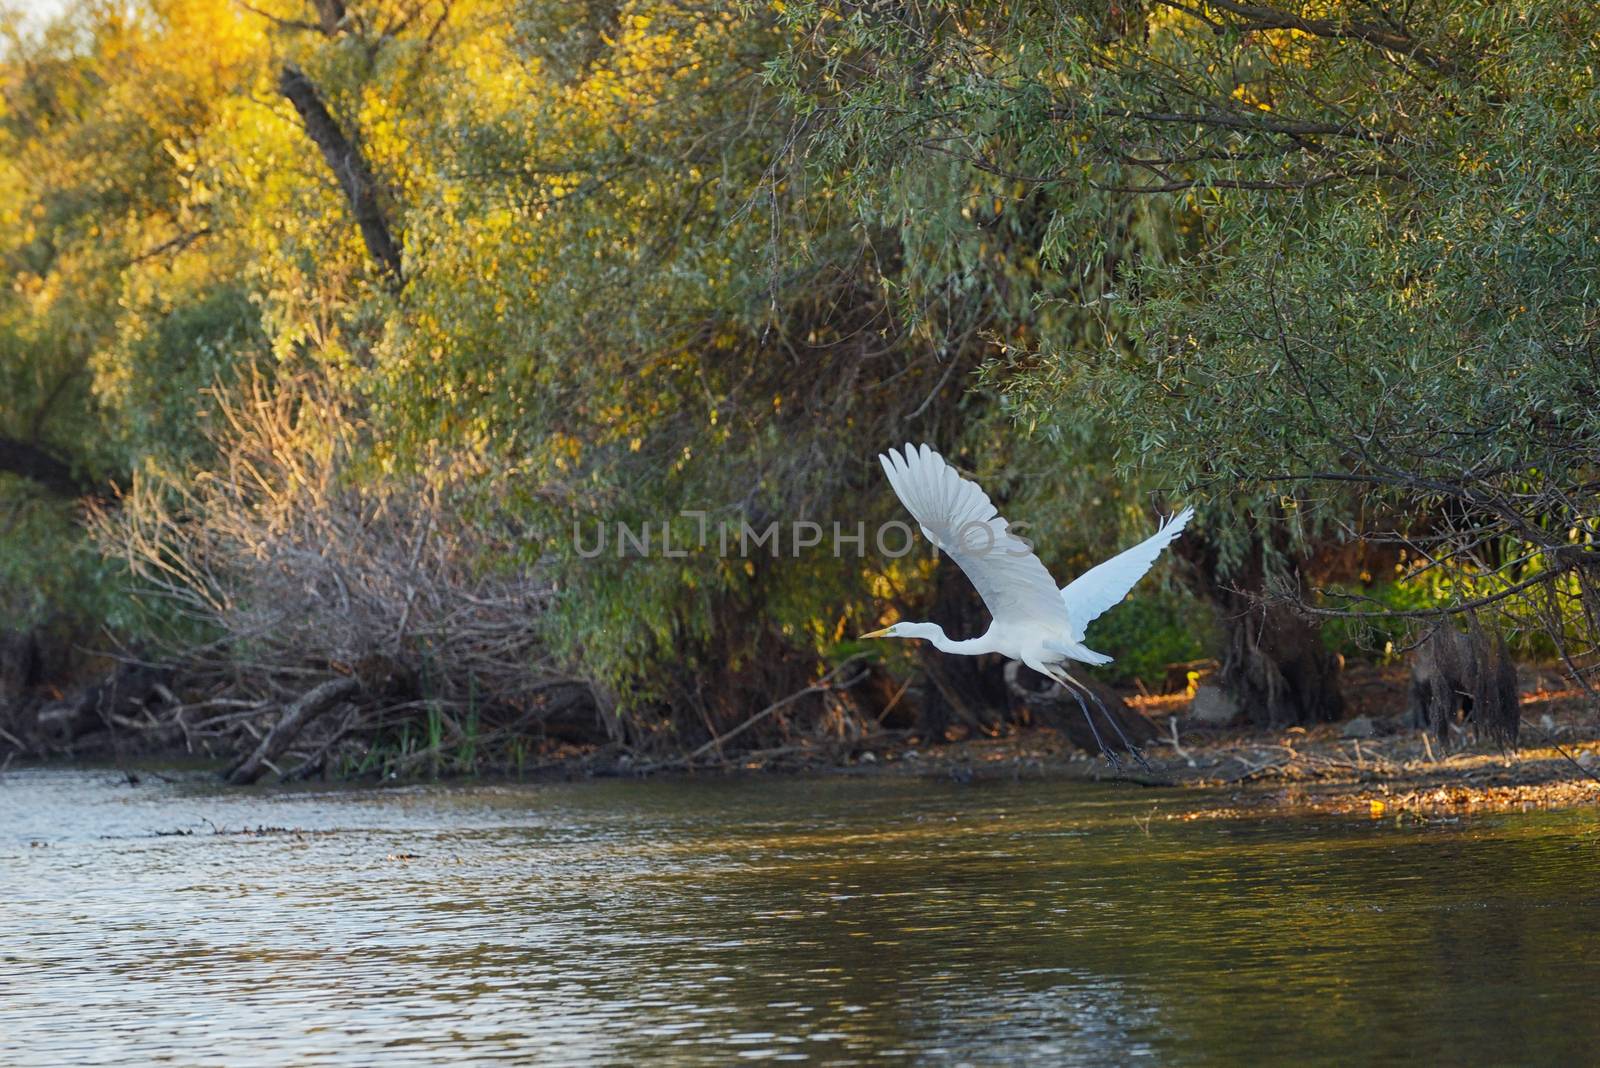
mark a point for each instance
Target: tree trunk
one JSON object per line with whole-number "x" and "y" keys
{"x": 1466, "y": 676}
{"x": 330, "y": 15}
{"x": 43, "y": 468}
{"x": 1274, "y": 664}
{"x": 349, "y": 166}
{"x": 1276, "y": 668}
{"x": 970, "y": 690}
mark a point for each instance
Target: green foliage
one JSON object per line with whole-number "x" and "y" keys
{"x": 664, "y": 258}
{"x": 1147, "y": 632}
{"x": 52, "y": 577}
{"x": 1537, "y": 624}
{"x": 1329, "y": 265}
{"x": 1382, "y": 638}
{"x": 168, "y": 359}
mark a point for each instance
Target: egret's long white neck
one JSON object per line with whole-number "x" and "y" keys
{"x": 934, "y": 633}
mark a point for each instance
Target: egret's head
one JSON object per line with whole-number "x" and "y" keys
{"x": 899, "y": 630}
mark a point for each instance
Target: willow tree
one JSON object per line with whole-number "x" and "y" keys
{"x": 559, "y": 257}
{"x": 639, "y": 302}
{"x": 1373, "y": 307}
{"x": 118, "y": 306}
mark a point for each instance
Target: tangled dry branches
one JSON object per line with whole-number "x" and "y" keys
{"x": 292, "y": 572}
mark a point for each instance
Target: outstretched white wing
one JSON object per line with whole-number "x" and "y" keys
{"x": 1104, "y": 585}
{"x": 956, "y": 515}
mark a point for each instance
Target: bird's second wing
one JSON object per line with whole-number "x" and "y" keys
{"x": 957, "y": 516}
{"x": 1104, "y": 585}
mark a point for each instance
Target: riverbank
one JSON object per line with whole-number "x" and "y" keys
{"x": 1373, "y": 764}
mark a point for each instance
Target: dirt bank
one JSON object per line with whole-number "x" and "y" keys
{"x": 1374, "y": 763}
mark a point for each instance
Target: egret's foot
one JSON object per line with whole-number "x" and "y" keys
{"x": 1116, "y": 727}
{"x": 1114, "y": 758}
{"x": 1106, "y": 751}
{"x": 1088, "y": 718}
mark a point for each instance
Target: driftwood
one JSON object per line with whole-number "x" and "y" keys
{"x": 133, "y": 696}
{"x": 1049, "y": 704}
{"x": 1466, "y": 676}
{"x": 295, "y": 719}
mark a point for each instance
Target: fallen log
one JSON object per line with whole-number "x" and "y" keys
{"x": 295, "y": 718}
{"x": 134, "y": 696}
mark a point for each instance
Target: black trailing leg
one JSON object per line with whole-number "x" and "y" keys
{"x": 1129, "y": 747}
{"x": 1077, "y": 690}
{"x": 1088, "y": 717}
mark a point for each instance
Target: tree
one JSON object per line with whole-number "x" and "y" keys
{"x": 551, "y": 263}
{"x": 115, "y": 313}
{"x": 633, "y": 300}
{"x": 1368, "y": 309}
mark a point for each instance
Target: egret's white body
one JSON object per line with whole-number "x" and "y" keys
{"x": 1033, "y": 621}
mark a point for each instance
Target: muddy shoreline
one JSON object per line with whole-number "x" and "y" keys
{"x": 1374, "y": 763}
{"x": 1313, "y": 771}
{"x": 1393, "y": 772}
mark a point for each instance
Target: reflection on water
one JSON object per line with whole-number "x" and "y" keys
{"x": 826, "y": 921}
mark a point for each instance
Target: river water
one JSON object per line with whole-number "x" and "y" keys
{"x": 830, "y": 921}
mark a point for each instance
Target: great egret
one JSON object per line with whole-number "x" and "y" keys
{"x": 1033, "y": 621}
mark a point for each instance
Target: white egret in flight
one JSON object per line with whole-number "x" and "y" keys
{"x": 1033, "y": 621}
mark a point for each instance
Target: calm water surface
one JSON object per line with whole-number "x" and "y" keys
{"x": 827, "y": 921}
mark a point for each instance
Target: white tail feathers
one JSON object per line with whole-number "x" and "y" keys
{"x": 1076, "y": 651}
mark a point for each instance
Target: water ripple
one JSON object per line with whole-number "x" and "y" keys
{"x": 821, "y": 922}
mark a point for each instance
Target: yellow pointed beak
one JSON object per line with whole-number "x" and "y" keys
{"x": 874, "y": 634}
